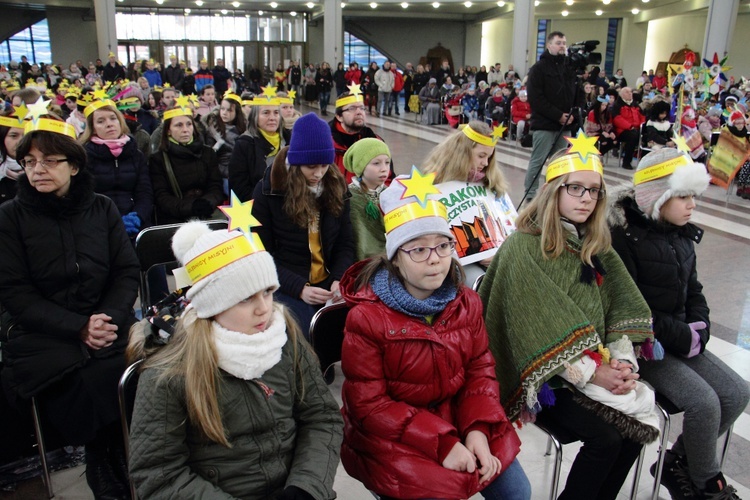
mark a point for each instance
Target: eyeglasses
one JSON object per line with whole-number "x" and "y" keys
{"x": 421, "y": 254}
{"x": 354, "y": 109}
{"x": 31, "y": 164}
{"x": 577, "y": 191}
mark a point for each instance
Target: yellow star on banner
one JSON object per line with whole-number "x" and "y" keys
{"x": 292, "y": 94}
{"x": 419, "y": 185}
{"x": 583, "y": 145}
{"x": 354, "y": 89}
{"x": 240, "y": 214}
{"x": 499, "y": 131}
{"x": 680, "y": 143}
{"x": 269, "y": 92}
{"x": 182, "y": 102}
{"x": 39, "y": 108}
{"x": 21, "y": 112}
{"x": 100, "y": 94}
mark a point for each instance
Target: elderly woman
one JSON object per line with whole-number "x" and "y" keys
{"x": 429, "y": 96}
{"x": 120, "y": 170}
{"x": 68, "y": 281}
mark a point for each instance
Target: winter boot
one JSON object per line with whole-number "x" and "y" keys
{"x": 676, "y": 478}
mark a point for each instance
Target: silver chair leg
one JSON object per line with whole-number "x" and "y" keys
{"x": 549, "y": 446}
{"x": 637, "y": 474}
{"x": 725, "y": 447}
{"x": 41, "y": 448}
{"x": 662, "y": 451}
{"x": 558, "y": 466}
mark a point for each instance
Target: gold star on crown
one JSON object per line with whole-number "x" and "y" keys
{"x": 269, "y": 92}
{"x": 292, "y": 94}
{"x": 499, "y": 131}
{"x": 583, "y": 145}
{"x": 39, "y": 108}
{"x": 680, "y": 143}
{"x": 240, "y": 214}
{"x": 419, "y": 186}
{"x": 354, "y": 89}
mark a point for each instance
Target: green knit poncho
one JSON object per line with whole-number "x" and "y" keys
{"x": 541, "y": 316}
{"x": 367, "y": 223}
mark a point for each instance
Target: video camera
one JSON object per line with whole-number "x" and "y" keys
{"x": 580, "y": 54}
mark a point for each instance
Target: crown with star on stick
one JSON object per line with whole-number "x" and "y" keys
{"x": 16, "y": 118}
{"x": 418, "y": 187}
{"x": 581, "y": 155}
{"x": 266, "y": 98}
{"x": 484, "y": 140}
{"x": 36, "y": 121}
{"x": 230, "y": 95}
{"x": 355, "y": 95}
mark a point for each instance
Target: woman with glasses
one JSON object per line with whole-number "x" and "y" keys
{"x": 68, "y": 281}
{"x": 421, "y": 403}
{"x": 563, "y": 316}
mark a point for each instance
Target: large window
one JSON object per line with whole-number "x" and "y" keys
{"x": 356, "y": 50}
{"x": 33, "y": 42}
{"x": 541, "y": 37}
{"x": 609, "y": 55}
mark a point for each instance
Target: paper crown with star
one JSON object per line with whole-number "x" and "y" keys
{"x": 182, "y": 107}
{"x": 230, "y": 95}
{"x": 266, "y": 98}
{"x": 223, "y": 267}
{"x": 412, "y": 209}
{"x": 581, "y": 155}
{"x": 355, "y": 95}
{"x": 98, "y": 105}
{"x": 37, "y": 121}
{"x": 16, "y": 118}
{"x": 484, "y": 140}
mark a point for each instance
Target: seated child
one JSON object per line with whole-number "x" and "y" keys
{"x": 658, "y": 133}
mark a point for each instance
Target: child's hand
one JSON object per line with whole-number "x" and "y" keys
{"x": 617, "y": 377}
{"x": 460, "y": 459}
{"x": 489, "y": 465}
{"x": 314, "y": 295}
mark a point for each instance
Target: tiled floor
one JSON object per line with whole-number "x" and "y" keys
{"x": 724, "y": 269}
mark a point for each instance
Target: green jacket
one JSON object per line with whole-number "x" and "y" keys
{"x": 277, "y": 440}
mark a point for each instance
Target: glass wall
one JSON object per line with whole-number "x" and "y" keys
{"x": 356, "y": 50}
{"x": 33, "y": 42}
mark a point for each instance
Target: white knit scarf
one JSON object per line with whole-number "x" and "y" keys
{"x": 250, "y": 356}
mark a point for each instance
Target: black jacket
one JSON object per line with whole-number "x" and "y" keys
{"x": 551, "y": 87}
{"x": 125, "y": 180}
{"x": 174, "y": 75}
{"x": 247, "y": 164}
{"x": 661, "y": 259}
{"x": 221, "y": 75}
{"x": 196, "y": 169}
{"x": 113, "y": 73}
{"x": 64, "y": 259}
{"x": 289, "y": 243}
{"x": 7, "y": 189}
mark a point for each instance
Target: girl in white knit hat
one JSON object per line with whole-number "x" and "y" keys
{"x": 651, "y": 231}
{"x": 234, "y": 406}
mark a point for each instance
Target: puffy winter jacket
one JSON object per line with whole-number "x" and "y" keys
{"x": 626, "y": 116}
{"x": 413, "y": 390}
{"x": 519, "y": 109}
{"x": 249, "y": 160}
{"x": 551, "y": 87}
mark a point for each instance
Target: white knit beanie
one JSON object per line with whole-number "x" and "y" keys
{"x": 245, "y": 274}
{"x": 390, "y": 200}
{"x": 689, "y": 179}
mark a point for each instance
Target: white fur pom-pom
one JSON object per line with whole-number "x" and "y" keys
{"x": 185, "y": 237}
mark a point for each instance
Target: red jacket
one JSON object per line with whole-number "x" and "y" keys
{"x": 398, "y": 80}
{"x": 353, "y": 76}
{"x": 519, "y": 110}
{"x": 627, "y": 117}
{"x": 413, "y": 390}
{"x": 659, "y": 82}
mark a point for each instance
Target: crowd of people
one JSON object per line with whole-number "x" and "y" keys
{"x": 593, "y": 293}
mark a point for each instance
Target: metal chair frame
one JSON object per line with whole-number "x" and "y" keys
{"x": 126, "y": 412}
{"x": 41, "y": 448}
{"x": 322, "y": 333}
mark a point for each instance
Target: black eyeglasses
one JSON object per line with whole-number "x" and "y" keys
{"x": 31, "y": 163}
{"x": 577, "y": 191}
{"x": 354, "y": 109}
{"x": 421, "y": 254}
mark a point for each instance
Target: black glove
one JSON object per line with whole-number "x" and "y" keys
{"x": 202, "y": 208}
{"x": 294, "y": 493}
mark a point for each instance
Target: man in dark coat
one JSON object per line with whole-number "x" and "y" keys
{"x": 221, "y": 75}
{"x": 173, "y": 74}
{"x": 113, "y": 70}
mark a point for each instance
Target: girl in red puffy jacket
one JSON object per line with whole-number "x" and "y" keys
{"x": 421, "y": 401}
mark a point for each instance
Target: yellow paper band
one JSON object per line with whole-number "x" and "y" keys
{"x": 285, "y": 100}
{"x": 350, "y": 99}
{"x": 262, "y": 101}
{"x": 47, "y": 125}
{"x": 413, "y": 211}
{"x": 479, "y": 138}
{"x": 172, "y": 113}
{"x": 222, "y": 255}
{"x": 11, "y": 121}
{"x": 247, "y": 102}
{"x": 97, "y": 105}
{"x": 660, "y": 170}
{"x": 233, "y": 97}
{"x": 572, "y": 163}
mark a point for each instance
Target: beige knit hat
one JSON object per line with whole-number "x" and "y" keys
{"x": 225, "y": 267}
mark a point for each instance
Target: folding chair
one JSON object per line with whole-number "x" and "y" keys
{"x": 327, "y": 333}
{"x": 41, "y": 447}
{"x": 126, "y": 396}
{"x": 153, "y": 246}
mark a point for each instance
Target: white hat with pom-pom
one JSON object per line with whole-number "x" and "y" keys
{"x": 224, "y": 267}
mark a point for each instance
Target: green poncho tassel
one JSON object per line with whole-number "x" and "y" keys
{"x": 372, "y": 210}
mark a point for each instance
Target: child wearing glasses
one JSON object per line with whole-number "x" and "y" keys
{"x": 421, "y": 403}
{"x": 563, "y": 316}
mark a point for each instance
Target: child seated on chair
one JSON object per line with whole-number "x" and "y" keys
{"x": 658, "y": 132}
{"x": 235, "y": 404}
{"x": 421, "y": 402}
{"x": 470, "y": 103}
{"x": 520, "y": 111}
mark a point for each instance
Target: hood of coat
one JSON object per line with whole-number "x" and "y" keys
{"x": 351, "y": 295}
{"x": 79, "y": 198}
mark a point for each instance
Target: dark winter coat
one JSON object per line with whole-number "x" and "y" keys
{"x": 113, "y": 73}
{"x": 196, "y": 169}
{"x": 221, "y": 75}
{"x": 661, "y": 259}
{"x": 551, "y": 88}
{"x": 413, "y": 390}
{"x": 289, "y": 244}
{"x": 248, "y": 163}
{"x": 64, "y": 259}
{"x": 324, "y": 80}
{"x": 125, "y": 180}
{"x": 7, "y": 189}
{"x": 175, "y": 76}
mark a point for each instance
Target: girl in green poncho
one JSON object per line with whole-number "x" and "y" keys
{"x": 555, "y": 295}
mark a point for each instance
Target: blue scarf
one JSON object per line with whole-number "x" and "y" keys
{"x": 393, "y": 294}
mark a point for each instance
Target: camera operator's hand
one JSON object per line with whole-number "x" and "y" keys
{"x": 566, "y": 119}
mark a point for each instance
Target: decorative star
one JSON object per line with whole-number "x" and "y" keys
{"x": 419, "y": 186}
{"x": 583, "y": 145}
{"x": 499, "y": 131}
{"x": 269, "y": 92}
{"x": 240, "y": 214}
{"x": 21, "y": 112}
{"x": 292, "y": 94}
{"x": 354, "y": 89}
{"x": 38, "y": 109}
{"x": 100, "y": 94}
{"x": 182, "y": 101}
{"x": 680, "y": 143}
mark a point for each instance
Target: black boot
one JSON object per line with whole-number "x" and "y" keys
{"x": 100, "y": 477}
{"x": 718, "y": 489}
{"x": 120, "y": 468}
{"x": 676, "y": 478}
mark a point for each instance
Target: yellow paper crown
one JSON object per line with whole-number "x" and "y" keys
{"x": 482, "y": 139}
{"x": 355, "y": 95}
{"x": 582, "y": 155}
{"x": 264, "y": 101}
{"x": 178, "y": 111}
{"x": 15, "y": 119}
{"x": 50, "y": 125}
{"x": 660, "y": 170}
{"x": 233, "y": 97}
{"x": 412, "y": 211}
{"x": 98, "y": 105}
{"x": 222, "y": 255}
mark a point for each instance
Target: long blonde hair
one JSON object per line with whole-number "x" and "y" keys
{"x": 542, "y": 216}
{"x": 191, "y": 356}
{"x": 451, "y": 160}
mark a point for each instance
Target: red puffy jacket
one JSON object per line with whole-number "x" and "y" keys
{"x": 413, "y": 390}
{"x": 519, "y": 109}
{"x": 626, "y": 117}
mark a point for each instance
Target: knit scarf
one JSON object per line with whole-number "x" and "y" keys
{"x": 274, "y": 139}
{"x": 249, "y": 356}
{"x": 394, "y": 295}
{"x": 115, "y": 145}
{"x": 175, "y": 141}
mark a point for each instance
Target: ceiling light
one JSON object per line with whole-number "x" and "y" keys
{"x": 273, "y": 5}
{"x": 599, "y": 12}
{"x": 564, "y": 13}
{"x": 343, "y": 4}
{"x": 568, "y": 2}
{"x": 606, "y": 2}
{"x": 404, "y": 5}
{"x": 373, "y": 5}
{"x": 536, "y": 3}
{"x": 247, "y": 15}
{"x": 260, "y": 12}
{"x": 187, "y": 11}
{"x": 121, "y": 1}
{"x": 310, "y": 5}
{"x": 216, "y": 14}
{"x": 635, "y": 11}
{"x": 235, "y": 4}
{"x": 160, "y": 2}
{"x": 293, "y": 14}
{"x": 274, "y": 17}
{"x": 152, "y": 13}
{"x": 224, "y": 11}
{"x": 501, "y": 4}
{"x": 436, "y": 4}
{"x": 199, "y": 3}
{"x": 645, "y": 1}
{"x": 467, "y": 4}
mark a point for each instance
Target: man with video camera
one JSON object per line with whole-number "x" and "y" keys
{"x": 552, "y": 93}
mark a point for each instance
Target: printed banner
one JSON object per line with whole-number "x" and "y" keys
{"x": 479, "y": 221}
{"x": 728, "y": 156}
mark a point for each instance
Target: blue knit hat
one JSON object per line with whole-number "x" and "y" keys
{"x": 312, "y": 143}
